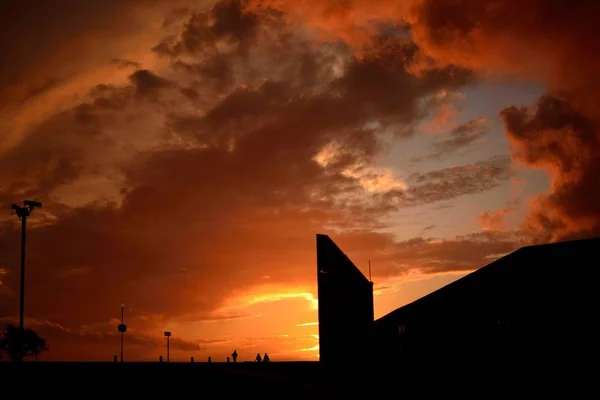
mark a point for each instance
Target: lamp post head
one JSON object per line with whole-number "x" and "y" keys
{"x": 28, "y": 206}
{"x": 32, "y": 204}
{"x": 21, "y": 212}
{"x": 167, "y": 334}
{"x": 122, "y": 305}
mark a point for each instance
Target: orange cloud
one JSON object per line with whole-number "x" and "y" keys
{"x": 355, "y": 21}
{"x": 52, "y": 63}
{"x": 494, "y": 220}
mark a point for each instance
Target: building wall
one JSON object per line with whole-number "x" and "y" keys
{"x": 532, "y": 304}
{"x": 345, "y": 306}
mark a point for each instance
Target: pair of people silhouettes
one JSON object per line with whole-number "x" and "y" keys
{"x": 265, "y": 359}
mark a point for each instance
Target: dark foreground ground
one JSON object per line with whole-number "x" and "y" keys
{"x": 278, "y": 379}
{"x": 293, "y": 379}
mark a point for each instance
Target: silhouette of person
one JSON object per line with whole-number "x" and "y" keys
{"x": 266, "y": 358}
{"x": 258, "y": 358}
{"x": 234, "y": 356}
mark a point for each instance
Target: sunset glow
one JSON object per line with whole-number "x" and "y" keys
{"x": 187, "y": 152}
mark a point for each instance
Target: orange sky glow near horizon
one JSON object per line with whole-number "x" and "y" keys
{"x": 187, "y": 152}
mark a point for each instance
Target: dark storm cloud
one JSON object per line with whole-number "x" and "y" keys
{"x": 237, "y": 195}
{"x": 553, "y": 42}
{"x": 549, "y": 42}
{"x": 558, "y": 138}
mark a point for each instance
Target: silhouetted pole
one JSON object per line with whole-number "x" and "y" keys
{"x": 122, "y": 322}
{"x": 122, "y": 328}
{"x": 22, "y": 288}
{"x": 22, "y": 214}
{"x": 168, "y": 335}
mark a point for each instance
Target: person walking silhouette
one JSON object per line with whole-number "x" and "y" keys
{"x": 234, "y": 356}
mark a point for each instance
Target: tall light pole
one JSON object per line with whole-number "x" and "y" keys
{"x": 122, "y": 328}
{"x": 22, "y": 214}
{"x": 168, "y": 335}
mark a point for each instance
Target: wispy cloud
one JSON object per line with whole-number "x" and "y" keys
{"x": 308, "y": 324}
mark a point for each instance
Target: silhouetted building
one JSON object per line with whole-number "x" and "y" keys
{"x": 533, "y": 303}
{"x": 345, "y": 305}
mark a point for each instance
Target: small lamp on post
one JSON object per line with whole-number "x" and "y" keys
{"x": 122, "y": 328}
{"x": 168, "y": 336}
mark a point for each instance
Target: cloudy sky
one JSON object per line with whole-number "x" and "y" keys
{"x": 188, "y": 151}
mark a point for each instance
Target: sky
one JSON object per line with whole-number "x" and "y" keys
{"x": 187, "y": 152}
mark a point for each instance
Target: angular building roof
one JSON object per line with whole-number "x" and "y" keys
{"x": 539, "y": 268}
{"x": 327, "y": 248}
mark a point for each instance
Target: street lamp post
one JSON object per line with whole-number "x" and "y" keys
{"x": 22, "y": 214}
{"x": 122, "y": 328}
{"x": 168, "y": 336}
